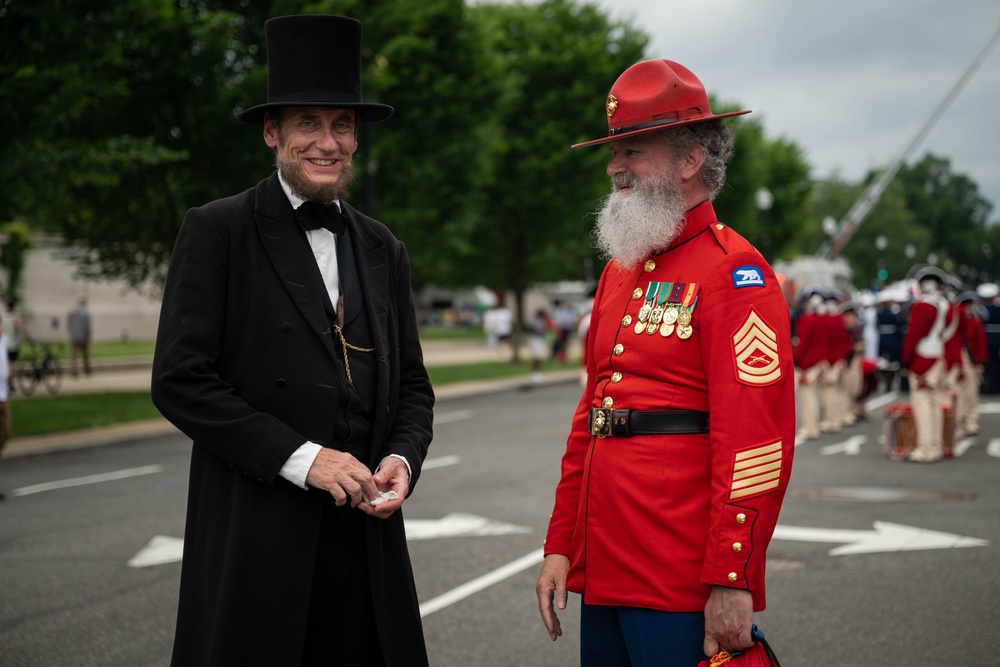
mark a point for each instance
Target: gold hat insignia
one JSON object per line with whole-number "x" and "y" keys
{"x": 612, "y": 105}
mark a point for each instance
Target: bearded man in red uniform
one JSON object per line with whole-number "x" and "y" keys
{"x": 681, "y": 447}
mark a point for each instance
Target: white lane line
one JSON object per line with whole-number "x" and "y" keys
{"x": 480, "y": 583}
{"x": 884, "y": 399}
{"x": 440, "y": 462}
{"x": 453, "y": 416}
{"x": 89, "y": 479}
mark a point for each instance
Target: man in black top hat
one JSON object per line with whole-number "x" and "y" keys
{"x": 287, "y": 350}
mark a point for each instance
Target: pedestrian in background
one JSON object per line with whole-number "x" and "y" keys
{"x": 17, "y": 331}
{"x": 681, "y": 447}
{"x": 288, "y": 351}
{"x": 989, "y": 294}
{"x": 78, "y": 326}
{"x": 5, "y": 423}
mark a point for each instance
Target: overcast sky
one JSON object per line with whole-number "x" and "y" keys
{"x": 851, "y": 81}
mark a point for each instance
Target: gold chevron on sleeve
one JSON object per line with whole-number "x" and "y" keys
{"x": 756, "y": 471}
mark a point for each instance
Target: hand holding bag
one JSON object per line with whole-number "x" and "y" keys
{"x": 758, "y": 655}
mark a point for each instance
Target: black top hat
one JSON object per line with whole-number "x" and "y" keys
{"x": 314, "y": 61}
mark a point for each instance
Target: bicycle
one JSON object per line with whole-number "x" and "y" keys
{"x": 40, "y": 367}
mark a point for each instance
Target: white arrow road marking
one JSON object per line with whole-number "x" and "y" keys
{"x": 850, "y": 447}
{"x": 480, "y": 583}
{"x": 160, "y": 550}
{"x": 989, "y": 408}
{"x": 993, "y": 449}
{"x": 163, "y": 549}
{"x": 456, "y": 525}
{"x": 453, "y": 416}
{"x": 879, "y": 401}
{"x": 89, "y": 479}
{"x": 439, "y": 462}
{"x": 962, "y": 446}
{"x": 886, "y": 537}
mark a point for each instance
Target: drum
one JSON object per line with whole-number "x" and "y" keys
{"x": 900, "y": 431}
{"x": 948, "y": 437}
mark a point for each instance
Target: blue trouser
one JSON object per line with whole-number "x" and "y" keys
{"x": 632, "y": 637}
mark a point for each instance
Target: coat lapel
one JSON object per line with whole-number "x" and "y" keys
{"x": 288, "y": 251}
{"x": 373, "y": 273}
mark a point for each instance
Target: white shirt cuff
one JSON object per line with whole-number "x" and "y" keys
{"x": 297, "y": 466}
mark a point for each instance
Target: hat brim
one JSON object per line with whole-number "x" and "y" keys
{"x": 367, "y": 113}
{"x": 656, "y": 126}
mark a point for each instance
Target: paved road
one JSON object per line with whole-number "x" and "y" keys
{"x": 70, "y": 596}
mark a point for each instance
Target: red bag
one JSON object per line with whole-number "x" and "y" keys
{"x": 758, "y": 655}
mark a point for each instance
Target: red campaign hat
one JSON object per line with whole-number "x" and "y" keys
{"x": 652, "y": 95}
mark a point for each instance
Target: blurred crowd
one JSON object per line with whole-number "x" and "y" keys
{"x": 929, "y": 335}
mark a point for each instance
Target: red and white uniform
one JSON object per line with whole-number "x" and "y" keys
{"x": 810, "y": 358}
{"x": 932, "y": 322}
{"x": 655, "y": 521}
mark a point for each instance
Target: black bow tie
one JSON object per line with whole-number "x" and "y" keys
{"x": 313, "y": 216}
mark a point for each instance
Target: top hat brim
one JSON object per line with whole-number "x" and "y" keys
{"x": 655, "y": 126}
{"x": 367, "y": 113}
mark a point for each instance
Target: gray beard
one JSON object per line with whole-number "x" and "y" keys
{"x": 324, "y": 193}
{"x": 631, "y": 227}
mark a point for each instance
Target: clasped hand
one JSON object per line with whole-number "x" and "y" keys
{"x": 350, "y": 482}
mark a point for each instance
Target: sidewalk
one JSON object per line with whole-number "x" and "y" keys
{"x": 135, "y": 375}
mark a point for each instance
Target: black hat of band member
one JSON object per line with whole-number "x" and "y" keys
{"x": 314, "y": 61}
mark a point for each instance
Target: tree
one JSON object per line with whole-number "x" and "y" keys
{"x": 124, "y": 120}
{"x": 779, "y": 165}
{"x": 422, "y": 169}
{"x": 890, "y": 219}
{"x": 558, "y": 60}
{"x": 949, "y": 206}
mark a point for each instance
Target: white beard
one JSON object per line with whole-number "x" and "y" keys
{"x": 631, "y": 227}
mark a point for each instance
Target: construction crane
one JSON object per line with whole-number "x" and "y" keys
{"x": 859, "y": 211}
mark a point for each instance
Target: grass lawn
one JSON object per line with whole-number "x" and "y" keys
{"x": 42, "y": 414}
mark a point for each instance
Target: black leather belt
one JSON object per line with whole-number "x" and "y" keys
{"x": 623, "y": 422}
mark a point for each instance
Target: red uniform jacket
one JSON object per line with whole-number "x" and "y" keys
{"x": 974, "y": 335}
{"x": 839, "y": 344}
{"x": 812, "y": 335}
{"x": 654, "y": 521}
{"x": 926, "y": 322}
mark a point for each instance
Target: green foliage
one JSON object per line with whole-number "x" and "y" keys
{"x": 558, "y": 60}
{"x": 13, "y": 253}
{"x": 124, "y": 117}
{"x": 776, "y": 164}
{"x": 42, "y": 414}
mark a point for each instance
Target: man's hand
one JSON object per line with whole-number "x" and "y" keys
{"x": 552, "y": 585}
{"x": 392, "y": 475}
{"x": 728, "y": 619}
{"x": 346, "y": 478}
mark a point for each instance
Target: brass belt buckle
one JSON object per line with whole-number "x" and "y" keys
{"x": 600, "y": 422}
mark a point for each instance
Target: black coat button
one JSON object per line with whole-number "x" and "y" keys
{"x": 280, "y": 382}
{"x": 286, "y": 326}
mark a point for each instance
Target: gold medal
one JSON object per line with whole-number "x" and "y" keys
{"x": 684, "y": 318}
{"x": 684, "y": 332}
{"x": 670, "y": 315}
{"x": 666, "y": 329}
{"x": 644, "y": 312}
{"x": 640, "y": 326}
{"x": 651, "y": 328}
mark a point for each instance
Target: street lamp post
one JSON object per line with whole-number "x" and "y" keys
{"x": 881, "y": 243}
{"x": 764, "y": 200}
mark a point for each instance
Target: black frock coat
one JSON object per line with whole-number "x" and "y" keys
{"x": 245, "y": 366}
